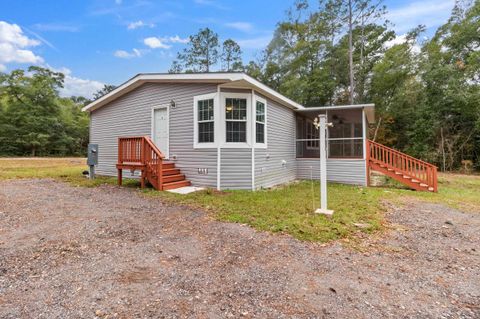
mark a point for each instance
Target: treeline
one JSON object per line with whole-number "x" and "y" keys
{"x": 35, "y": 120}
{"x": 426, "y": 91}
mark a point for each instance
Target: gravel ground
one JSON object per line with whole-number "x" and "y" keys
{"x": 70, "y": 252}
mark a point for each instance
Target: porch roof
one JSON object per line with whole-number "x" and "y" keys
{"x": 369, "y": 109}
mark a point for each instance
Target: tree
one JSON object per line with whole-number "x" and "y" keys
{"x": 34, "y": 120}
{"x": 201, "y": 53}
{"x": 176, "y": 67}
{"x": 107, "y": 88}
{"x": 231, "y": 56}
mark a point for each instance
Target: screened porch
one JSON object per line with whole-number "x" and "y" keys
{"x": 345, "y": 139}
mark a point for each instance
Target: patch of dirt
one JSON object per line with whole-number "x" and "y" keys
{"x": 69, "y": 252}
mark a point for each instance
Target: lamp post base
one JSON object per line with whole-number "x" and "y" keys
{"x": 327, "y": 212}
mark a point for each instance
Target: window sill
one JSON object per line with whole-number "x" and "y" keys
{"x": 204, "y": 145}
{"x": 261, "y": 146}
{"x": 228, "y": 145}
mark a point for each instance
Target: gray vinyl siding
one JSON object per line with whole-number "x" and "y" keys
{"x": 236, "y": 168}
{"x": 338, "y": 170}
{"x": 269, "y": 167}
{"x": 131, "y": 115}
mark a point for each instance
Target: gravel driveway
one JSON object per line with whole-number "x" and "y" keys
{"x": 70, "y": 252}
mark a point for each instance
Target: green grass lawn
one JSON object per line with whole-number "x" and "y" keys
{"x": 287, "y": 209}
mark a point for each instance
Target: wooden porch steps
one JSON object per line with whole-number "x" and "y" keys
{"x": 177, "y": 184}
{"x": 140, "y": 153}
{"x": 412, "y": 172}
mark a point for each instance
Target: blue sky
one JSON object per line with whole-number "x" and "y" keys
{"x": 109, "y": 41}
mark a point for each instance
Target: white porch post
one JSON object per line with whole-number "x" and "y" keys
{"x": 322, "y": 126}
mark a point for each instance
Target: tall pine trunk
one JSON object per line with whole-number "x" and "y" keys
{"x": 350, "y": 49}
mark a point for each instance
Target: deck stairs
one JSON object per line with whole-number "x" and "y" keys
{"x": 410, "y": 171}
{"x": 140, "y": 153}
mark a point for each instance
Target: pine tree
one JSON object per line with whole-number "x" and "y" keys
{"x": 231, "y": 56}
{"x": 200, "y": 55}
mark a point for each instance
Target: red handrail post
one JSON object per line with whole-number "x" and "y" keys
{"x": 160, "y": 173}
{"x": 367, "y": 161}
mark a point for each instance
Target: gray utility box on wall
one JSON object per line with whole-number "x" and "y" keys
{"x": 92, "y": 154}
{"x": 92, "y": 159}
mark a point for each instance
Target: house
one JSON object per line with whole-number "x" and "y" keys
{"x": 224, "y": 131}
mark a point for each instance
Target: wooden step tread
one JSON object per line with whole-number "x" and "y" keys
{"x": 173, "y": 178}
{"x": 173, "y": 185}
{"x": 170, "y": 171}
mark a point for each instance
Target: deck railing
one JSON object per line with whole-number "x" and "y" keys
{"x": 400, "y": 162}
{"x": 140, "y": 152}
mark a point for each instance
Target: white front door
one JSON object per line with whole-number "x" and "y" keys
{"x": 160, "y": 130}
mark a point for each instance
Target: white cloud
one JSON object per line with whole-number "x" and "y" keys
{"x": 255, "y": 43}
{"x": 74, "y": 86}
{"x": 154, "y": 43}
{"x": 177, "y": 39}
{"x": 139, "y": 24}
{"x": 402, "y": 39}
{"x": 127, "y": 55}
{"x": 241, "y": 26}
{"x": 431, "y": 13}
{"x": 14, "y": 46}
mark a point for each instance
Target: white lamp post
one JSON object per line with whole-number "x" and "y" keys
{"x": 321, "y": 124}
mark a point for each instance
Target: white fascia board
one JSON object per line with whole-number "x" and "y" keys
{"x": 190, "y": 77}
{"x": 369, "y": 109}
{"x": 262, "y": 87}
{"x": 143, "y": 78}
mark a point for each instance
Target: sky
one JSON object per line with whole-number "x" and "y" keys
{"x": 96, "y": 42}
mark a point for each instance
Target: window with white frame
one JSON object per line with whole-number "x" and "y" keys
{"x": 206, "y": 124}
{"x": 260, "y": 122}
{"x": 236, "y": 120}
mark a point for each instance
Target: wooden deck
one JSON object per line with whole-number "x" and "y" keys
{"x": 140, "y": 153}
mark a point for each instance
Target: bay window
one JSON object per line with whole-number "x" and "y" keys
{"x": 230, "y": 120}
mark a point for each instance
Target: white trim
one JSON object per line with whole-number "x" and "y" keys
{"x": 152, "y": 128}
{"x": 223, "y": 126}
{"x": 253, "y": 168}
{"x": 217, "y": 138}
{"x": 254, "y": 116}
{"x": 218, "y": 78}
{"x": 364, "y": 137}
{"x": 368, "y": 108}
{"x": 197, "y": 98}
{"x": 254, "y": 134}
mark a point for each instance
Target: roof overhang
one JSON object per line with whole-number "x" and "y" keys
{"x": 233, "y": 79}
{"x": 368, "y": 108}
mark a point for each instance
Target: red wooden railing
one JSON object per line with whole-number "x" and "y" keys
{"x": 407, "y": 165}
{"x": 140, "y": 152}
